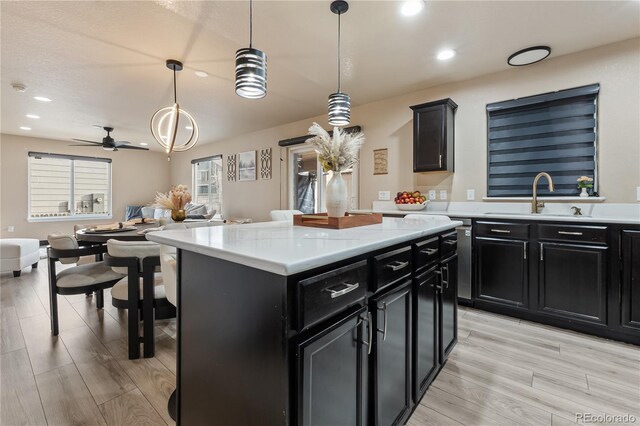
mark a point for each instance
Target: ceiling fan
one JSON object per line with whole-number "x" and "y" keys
{"x": 108, "y": 143}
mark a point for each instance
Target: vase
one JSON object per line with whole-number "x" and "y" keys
{"x": 178, "y": 215}
{"x": 336, "y": 196}
{"x": 584, "y": 193}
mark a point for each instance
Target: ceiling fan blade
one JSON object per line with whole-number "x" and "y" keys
{"x": 84, "y": 140}
{"x": 133, "y": 147}
{"x": 122, "y": 142}
{"x": 85, "y": 145}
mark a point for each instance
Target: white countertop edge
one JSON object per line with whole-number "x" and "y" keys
{"x": 541, "y": 217}
{"x": 285, "y": 269}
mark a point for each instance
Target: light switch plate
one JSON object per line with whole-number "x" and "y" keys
{"x": 638, "y": 193}
{"x": 443, "y": 194}
{"x": 384, "y": 195}
{"x": 471, "y": 194}
{"x": 432, "y": 194}
{"x": 10, "y": 229}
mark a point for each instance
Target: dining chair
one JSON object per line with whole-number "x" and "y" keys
{"x": 79, "y": 279}
{"x": 168, "y": 268}
{"x": 283, "y": 214}
{"x": 142, "y": 292}
{"x": 86, "y": 259}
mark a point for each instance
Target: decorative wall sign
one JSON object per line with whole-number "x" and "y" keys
{"x": 247, "y": 165}
{"x": 231, "y": 167}
{"x": 380, "y": 161}
{"x": 265, "y": 163}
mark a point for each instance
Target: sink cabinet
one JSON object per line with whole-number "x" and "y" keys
{"x": 582, "y": 277}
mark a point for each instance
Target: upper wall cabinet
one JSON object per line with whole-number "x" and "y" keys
{"x": 433, "y": 125}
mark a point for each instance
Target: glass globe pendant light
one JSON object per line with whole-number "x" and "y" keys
{"x": 164, "y": 123}
{"x": 339, "y": 103}
{"x": 251, "y": 67}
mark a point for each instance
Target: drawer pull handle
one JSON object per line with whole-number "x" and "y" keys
{"x": 429, "y": 251}
{"x": 450, "y": 242}
{"x": 348, "y": 289}
{"x": 501, "y": 231}
{"x": 569, "y": 233}
{"x": 396, "y": 266}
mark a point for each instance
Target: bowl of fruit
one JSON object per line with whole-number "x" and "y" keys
{"x": 410, "y": 201}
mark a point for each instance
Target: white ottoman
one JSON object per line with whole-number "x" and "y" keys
{"x": 18, "y": 253}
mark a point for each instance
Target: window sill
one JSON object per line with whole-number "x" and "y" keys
{"x": 547, "y": 199}
{"x": 69, "y": 218}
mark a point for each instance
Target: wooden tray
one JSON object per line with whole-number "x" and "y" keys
{"x": 321, "y": 220}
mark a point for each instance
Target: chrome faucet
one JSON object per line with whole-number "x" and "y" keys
{"x": 535, "y": 204}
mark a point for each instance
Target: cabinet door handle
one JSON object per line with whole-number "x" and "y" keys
{"x": 450, "y": 242}
{"x": 569, "y": 233}
{"x": 524, "y": 251}
{"x": 396, "y": 266}
{"x": 501, "y": 231}
{"x": 348, "y": 289}
{"x": 384, "y": 326}
{"x": 440, "y": 161}
{"x": 542, "y": 251}
{"x": 429, "y": 251}
{"x": 370, "y": 329}
{"x": 445, "y": 283}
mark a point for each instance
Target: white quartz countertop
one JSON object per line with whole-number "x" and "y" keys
{"x": 598, "y": 213}
{"x": 284, "y": 249}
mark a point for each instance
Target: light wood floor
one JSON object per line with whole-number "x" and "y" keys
{"x": 503, "y": 370}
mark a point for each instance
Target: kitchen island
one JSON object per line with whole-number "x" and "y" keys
{"x": 284, "y": 325}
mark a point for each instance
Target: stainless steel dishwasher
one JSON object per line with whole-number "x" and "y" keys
{"x": 464, "y": 262}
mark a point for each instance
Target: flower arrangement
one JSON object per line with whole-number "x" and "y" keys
{"x": 338, "y": 152}
{"x": 585, "y": 182}
{"x": 176, "y": 199}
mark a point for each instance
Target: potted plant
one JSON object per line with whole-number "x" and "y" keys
{"x": 584, "y": 182}
{"x": 174, "y": 200}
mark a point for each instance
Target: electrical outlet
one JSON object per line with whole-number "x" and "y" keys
{"x": 432, "y": 194}
{"x": 443, "y": 194}
{"x": 384, "y": 195}
{"x": 11, "y": 228}
{"x": 471, "y": 194}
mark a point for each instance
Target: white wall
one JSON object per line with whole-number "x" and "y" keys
{"x": 136, "y": 177}
{"x": 388, "y": 124}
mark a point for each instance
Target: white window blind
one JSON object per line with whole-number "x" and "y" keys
{"x": 68, "y": 186}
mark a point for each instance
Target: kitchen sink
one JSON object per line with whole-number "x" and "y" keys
{"x": 539, "y": 214}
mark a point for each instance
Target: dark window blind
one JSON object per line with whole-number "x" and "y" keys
{"x": 553, "y": 132}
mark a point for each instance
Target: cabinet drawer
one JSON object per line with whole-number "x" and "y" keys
{"x": 502, "y": 229}
{"x": 448, "y": 244}
{"x": 583, "y": 234}
{"x": 391, "y": 267}
{"x": 426, "y": 253}
{"x": 323, "y": 295}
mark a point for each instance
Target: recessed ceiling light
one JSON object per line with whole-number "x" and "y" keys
{"x": 412, "y": 7}
{"x": 529, "y": 56}
{"x": 202, "y": 74}
{"x": 41, "y": 99}
{"x": 144, "y": 143}
{"x": 25, "y": 128}
{"x": 446, "y": 54}
{"x": 32, "y": 116}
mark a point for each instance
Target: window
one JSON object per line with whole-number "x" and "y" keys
{"x": 207, "y": 182}
{"x": 554, "y": 133}
{"x": 66, "y": 186}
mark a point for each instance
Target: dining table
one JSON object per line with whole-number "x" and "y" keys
{"x": 133, "y": 234}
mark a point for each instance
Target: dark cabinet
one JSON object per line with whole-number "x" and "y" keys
{"x": 448, "y": 306}
{"x": 332, "y": 368}
{"x": 433, "y": 136}
{"x": 572, "y": 281}
{"x": 630, "y": 284}
{"x": 391, "y": 363}
{"x": 502, "y": 272}
{"x": 425, "y": 331}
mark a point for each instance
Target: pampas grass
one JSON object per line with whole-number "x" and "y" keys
{"x": 176, "y": 199}
{"x": 336, "y": 153}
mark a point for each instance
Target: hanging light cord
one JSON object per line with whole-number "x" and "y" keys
{"x": 250, "y": 24}
{"x": 339, "y": 51}
{"x": 175, "y": 96}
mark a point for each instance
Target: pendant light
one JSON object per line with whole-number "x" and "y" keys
{"x": 251, "y": 67}
{"x": 165, "y": 121}
{"x": 339, "y": 103}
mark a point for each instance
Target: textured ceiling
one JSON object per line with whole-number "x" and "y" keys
{"x": 103, "y": 62}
